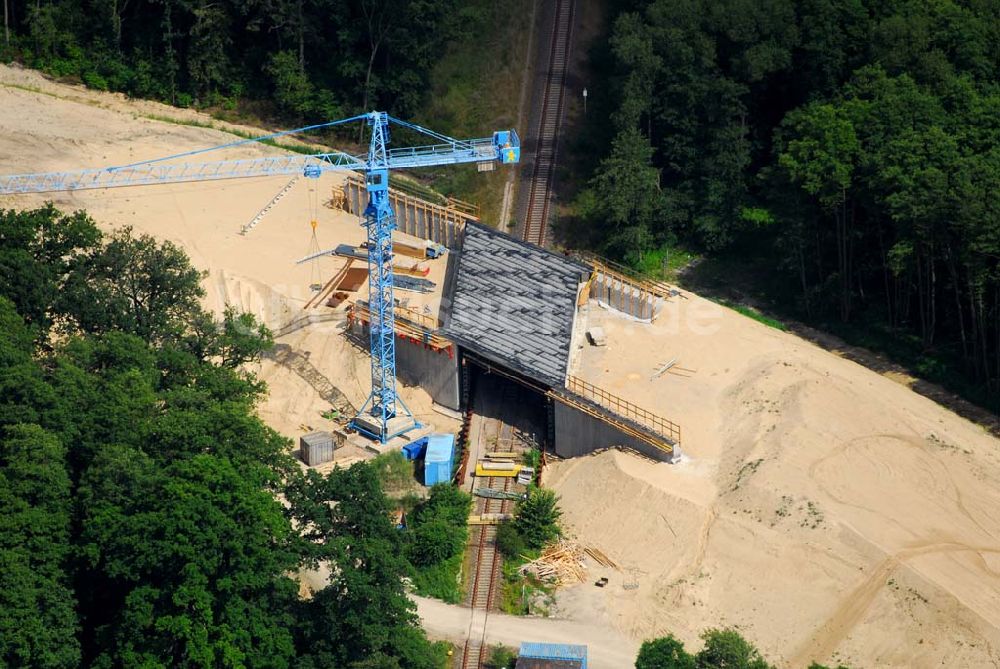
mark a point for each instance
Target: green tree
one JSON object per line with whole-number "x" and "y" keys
{"x": 726, "y": 649}
{"x": 447, "y": 502}
{"x": 293, "y": 92}
{"x": 105, "y": 394}
{"x": 363, "y": 613}
{"x": 664, "y": 653}
{"x": 24, "y": 393}
{"x": 208, "y": 43}
{"x": 38, "y": 623}
{"x": 198, "y": 556}
{"x": 38, "y": 248}
{"x": 537, "y": 517}
{"x": 628, "y": 187}
{"x": 509, "y": 541}
{"x": 501, "y": 657}
{"x": 134, "y": 284}
{"x": 820, "y": 155}
{"x": 438, "y": 525}
{"x": 435, "y": 540}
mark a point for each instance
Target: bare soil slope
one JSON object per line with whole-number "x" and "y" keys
{"x": 828, "y": 512}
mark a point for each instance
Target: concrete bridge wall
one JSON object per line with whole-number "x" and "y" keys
{"x": 578, "y": 433}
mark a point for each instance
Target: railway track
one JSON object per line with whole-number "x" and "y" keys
{"x": 549, "y": 122}
{"x": 486, "y": 560}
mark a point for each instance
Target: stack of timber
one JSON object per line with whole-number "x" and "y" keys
{"x": 411, "y": 270}
{"x": 600, "y": 558}
{"x": 502, "y": 455}
{"x": 490, "y": 493}
{"x": 561, "y": 563}
{"x": 414, "y": 284}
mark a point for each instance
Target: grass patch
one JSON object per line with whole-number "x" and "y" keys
{"x": 665, "y": 263}
{"x": 397, "y": 475}
{"x": 441, "y": 581}
{"x": 524, "y": 595}
{"x": 475, "y": 90}
{"x": 501, "y": 657}
{"x": 444, "y": 652}
{"x": 414, "y": 188}
{"x": 532, "y": 458}
{"x": 750, "y": 312}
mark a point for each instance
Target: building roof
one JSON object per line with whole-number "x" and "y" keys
{"x": 551, "y": 656}
{"x": 439, "y": 448}
{"x": 514, "y": 303}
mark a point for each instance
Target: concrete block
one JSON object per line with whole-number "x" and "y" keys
{"x": 597, "y": 337}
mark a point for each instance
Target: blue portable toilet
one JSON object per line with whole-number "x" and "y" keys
{"x": 438, "y": 458}
{"x": 415, "y": 449}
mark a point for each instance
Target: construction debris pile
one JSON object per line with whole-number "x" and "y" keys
{"x": 563, "y": 563}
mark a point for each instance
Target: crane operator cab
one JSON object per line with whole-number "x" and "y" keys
{"x": 508, "y": 146}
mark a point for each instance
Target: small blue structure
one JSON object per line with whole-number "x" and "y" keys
{"x": 438, "y": 458}
{"x": 508, "y": 146}
{"x": 551, "y": 656}
{"x": 415, "y": 449}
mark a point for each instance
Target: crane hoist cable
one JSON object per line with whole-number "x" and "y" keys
{"x": 315, "y": 273}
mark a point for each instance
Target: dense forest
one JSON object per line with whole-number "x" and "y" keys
{"x": 313, "y": 59}
{"x": 849, "y": 150}
{"x": 149, "y": 517}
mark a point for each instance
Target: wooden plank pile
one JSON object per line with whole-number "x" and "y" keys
{"x": 561, "y": 562}
{"x": 600, "y": 558}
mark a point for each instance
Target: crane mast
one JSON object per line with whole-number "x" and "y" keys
{"x": 384, "y": 415}
{"x": 379, "y": 417}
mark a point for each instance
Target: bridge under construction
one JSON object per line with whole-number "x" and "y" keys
{"x": 510, "y": 308}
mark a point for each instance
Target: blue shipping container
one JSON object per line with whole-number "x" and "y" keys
{"x": 568, "y": 655}
{"x": 415, "y": 449}
{"x": 438, "y": 458}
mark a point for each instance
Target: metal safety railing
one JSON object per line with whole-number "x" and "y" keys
{"x": 624, "y": 273}
{"x": 625, "y": 409}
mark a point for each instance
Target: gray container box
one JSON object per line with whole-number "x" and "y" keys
{"x": 316, "y": 448}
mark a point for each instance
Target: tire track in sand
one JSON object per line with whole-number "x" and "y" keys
{"x": 852, "y": 609}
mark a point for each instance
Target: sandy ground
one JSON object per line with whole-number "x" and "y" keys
{"x": 46, "y": 126}
{"x": 827, "y": 512}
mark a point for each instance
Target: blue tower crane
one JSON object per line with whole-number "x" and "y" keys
{"x": 384, "y": 415}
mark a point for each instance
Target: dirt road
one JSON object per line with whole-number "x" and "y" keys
{"x": 606, "y": 649}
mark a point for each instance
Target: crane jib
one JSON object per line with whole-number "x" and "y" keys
{"x": 384, "y": 415}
